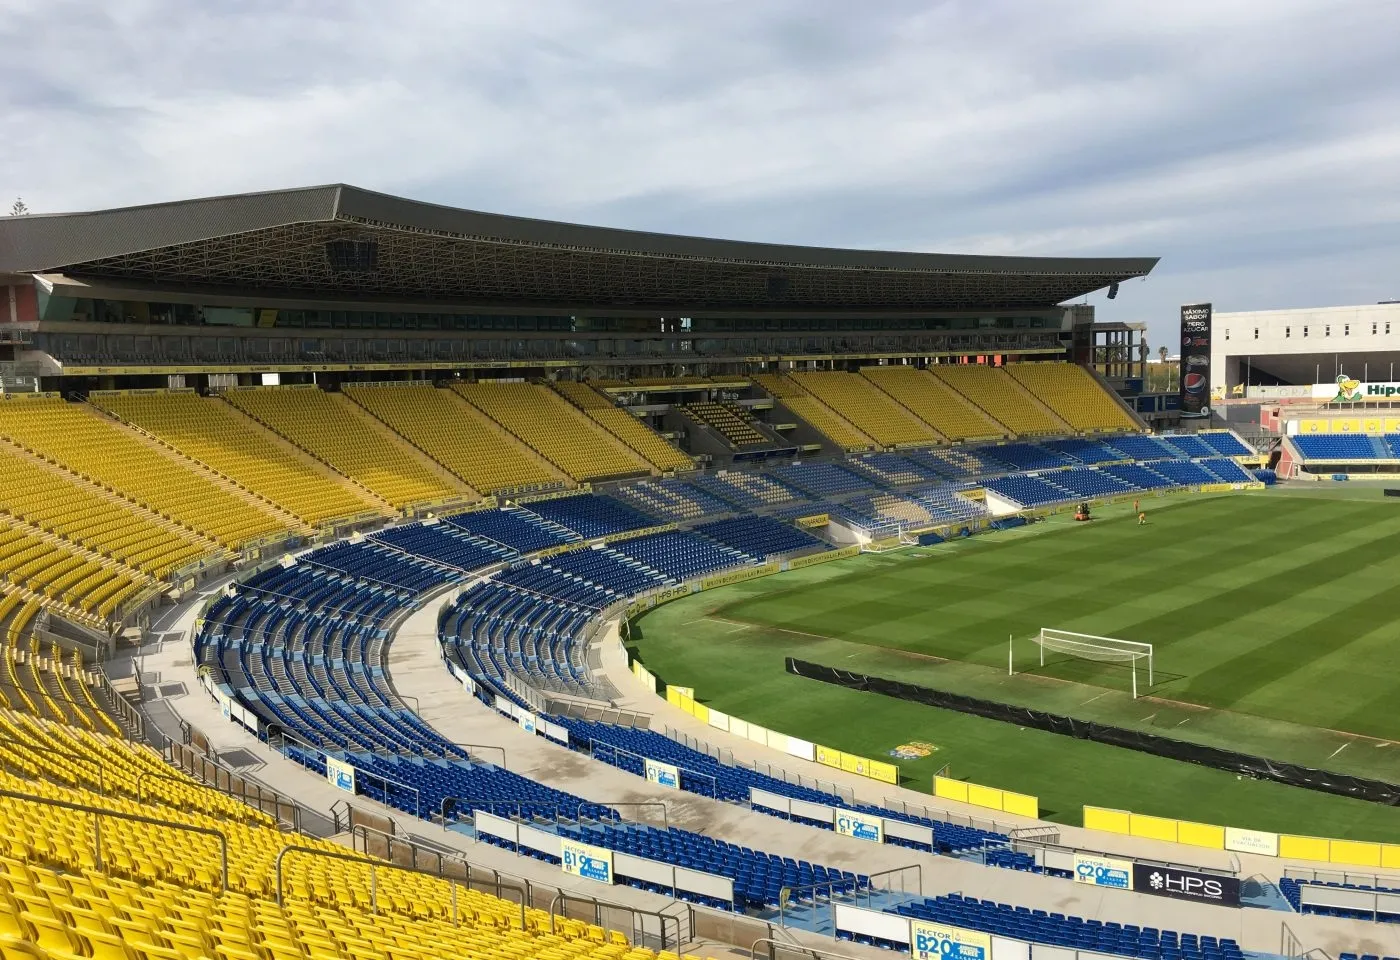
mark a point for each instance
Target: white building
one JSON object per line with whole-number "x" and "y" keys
{"x": 1304, "y": 346}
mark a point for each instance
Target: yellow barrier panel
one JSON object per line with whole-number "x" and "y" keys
{"x": 1390, "y": 856}
{"x": 852, "y": 763}
{"x": 1153, "y": 828}
{"x": 702, "y": 712}
{"x": 686, "y": 704}
{"x": 828, "y": 757}
{"x": 1023, "y": 805}
{"x": 1356, "y": 854}
{"x": 1103, "y": 818}
{"x": 673, "y": 696}
{"x": 984, "y": 796}
{"x": 884, "y": 772}
{"x": 950, "y": 789}
{"x": 1200, "y": 834}
{"x": 1304, "y": 848}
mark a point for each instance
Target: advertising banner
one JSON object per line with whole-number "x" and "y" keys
{"x": 340, "y": 774}
{"x": 528, "y": 722}
{"x": 586, "y": 861}
{"x": 1350, "y": 390}
{"x": 663, "y": 774}
{"x": 1195, "y": 359}
{"x": 860, "y": 826}
{"x": 1251, "y": 841}
{"x": 934, "y": 941}
{"x": 1186, "y": 885}
{"x": 1103, "y": 872}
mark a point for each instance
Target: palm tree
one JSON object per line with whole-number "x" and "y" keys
{"x": 1162, "y": 353}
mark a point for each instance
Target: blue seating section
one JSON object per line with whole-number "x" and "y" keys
{"x": 1338, "y": 446}
{"x": 1137, "y": 476}
{"x": 671, "y": 499}
{"x": 380, "y": 566}
{"x": 1184, "y": 472}
{"x": 895, "y": 469}
{"x": 1028, "y": 491}
{"x": 1084, "y": 451}
{"x": 947, "y": 505}
{"x": 1089, "y": 483}
{"x": 1076, "y": 933}
{"x": 760, "y": 537}
{"x": 520, "y": 531}
{"x": 1225, "y": 443}
{"x": 1392, "y": 443}
{"x": 617, "y": 575}
{"x": 1227, "y": 470}
{"x": 822, "y": 479}
{"x": 679, "y": 556}
{"x": 443, "y": 544}
{"x": 590, "y": 515}
{"x": 1135, "y": 446}
{"x": 758, "y": 877}
{"x": 493, "y": 630}
{"x": 627, "y": 749}
{"x": 1028, "y": 456}
{"x": 1291, "y": 890}
{"x": 1190, "y": 445}
{"x": 749, "y": 491}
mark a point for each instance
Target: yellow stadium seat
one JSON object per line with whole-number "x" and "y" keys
{"x": 993, "y": 391}
{"x": 1075, "y": 396}
{"x": 836, "y": 428}
{"x": 933, "y": 402}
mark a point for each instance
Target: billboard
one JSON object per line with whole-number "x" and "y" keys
{"x": 1195, "y": 359}
{"x": 1103, "y": 872}
{"x": 934, "y": 941}
{"x": 586, "y": 861}
{"x": 340, "y": 774}
{"x": 663, "y": 774}
{"x": 860, "y": 826}
{"x": 1347, "y": 389}
{"x": 528, "y": 722}
{"x": 1186, "y": 885}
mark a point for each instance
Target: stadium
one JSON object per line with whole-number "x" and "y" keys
{"x": 386, "y": 579}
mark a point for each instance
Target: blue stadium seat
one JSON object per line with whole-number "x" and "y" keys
{"x": 1339, "y": 446}
{"x": 760, "y": 537}
{"x": 520, "y": 531}
{"x": 590, "y": 515}
{"x": 822, "y": 479}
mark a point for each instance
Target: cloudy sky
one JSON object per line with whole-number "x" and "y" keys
{"x": 1253, "y": 144}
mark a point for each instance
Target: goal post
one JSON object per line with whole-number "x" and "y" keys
{"x": 1087, "y": 646}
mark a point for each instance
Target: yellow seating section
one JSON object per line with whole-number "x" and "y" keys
{"x": 455, "y": 435}
{"x": 81, "y": 440}
{"x": 867, "y": 408}
{"x": 50, "y": 501}
{"x": 555, "y": 429}
{"x": 57, "y": 572}
{"x": 156, "y": 891}
{"x": 209, "y": 431}
{"x": 627, "y": 428}
{"x": 732, "y": 422}
{"x": 314, "y": 421}
{"x": 1074, "y": 395}
{"x": 993, "y": 389}
{"x": 838, "y": 430}
{"x": 932, "y": 401}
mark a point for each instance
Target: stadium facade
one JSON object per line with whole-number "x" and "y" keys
{"x": 336, "y": 278}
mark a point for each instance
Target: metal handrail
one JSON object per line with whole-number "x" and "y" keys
{"x": 100, "y": 812}
{"x": 798, "y": 948}
{"x": 101, "y": 776}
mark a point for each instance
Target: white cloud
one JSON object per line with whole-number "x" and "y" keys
{"x": 1252, "y": 144}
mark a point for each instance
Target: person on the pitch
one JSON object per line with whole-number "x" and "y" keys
{"x": 1142, "y": 519}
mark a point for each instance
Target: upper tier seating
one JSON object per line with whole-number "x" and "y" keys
{"x": 1091, "y": 936}
{"x": 866, "y": 406}
{"x": 83, "y": 441}
{"x": 590, "y": 515}
{"x": 1085, "y": 451}
{"x": 214, "y": 434}
{"x": 932, "y": 401}
{"x": 349, "y": 442}
{"x": 519, "y": 530}
{"x": 555, "y": 429}
{"x": 994, "y": 391}
{"x": 1138, "y": 447}
{"x": 1339, "y": 446}
{"x": 963, "y": 463}
{"x": 457, "y": 436}
{"x": 732, "y": 421}
{"x": 58, "y": 503}
{"x": 1074, "y": 395}
{"x": 627, "y": 428}
{"x": 671, "y": 499}
{"x": 760, "y": 537}
{"x": 1189, "y": 444}
{"x": 749, "y": 491}
{"x": 825, "y": 420}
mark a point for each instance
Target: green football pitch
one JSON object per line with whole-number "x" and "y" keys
{"x": 1275, "y": 619}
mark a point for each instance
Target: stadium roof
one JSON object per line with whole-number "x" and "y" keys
{"x": 341, "y": 241}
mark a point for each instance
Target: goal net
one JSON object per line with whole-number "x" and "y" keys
{"x": 1085, "y": 646}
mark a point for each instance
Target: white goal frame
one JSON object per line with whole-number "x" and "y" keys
{"x": 1087, "y": 646}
